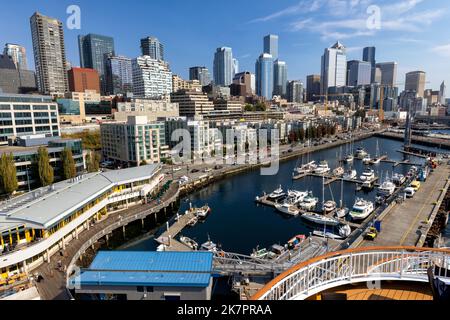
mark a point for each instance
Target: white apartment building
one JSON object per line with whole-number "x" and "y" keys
{"x": 151, "y": 78}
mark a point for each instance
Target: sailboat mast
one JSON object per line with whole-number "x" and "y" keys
{"x": 342, "y": 193}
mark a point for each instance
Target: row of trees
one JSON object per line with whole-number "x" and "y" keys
{"x": 322, "y": 130}
{"x": 259, "y": 106}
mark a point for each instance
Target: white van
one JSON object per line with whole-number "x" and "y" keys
{"x": 409, "y": 192}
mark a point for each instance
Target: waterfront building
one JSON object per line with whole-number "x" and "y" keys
{"x": 169, "y": 275}
{"x": 279, "y": 78}
{"x": 415, "y": 81}
{"x": 25, "y": 156}
{"x": 388, "y": 73}
{"x": 15, "y": 80}
{"x": 133, "y": 142}
{"x": 93, "y": 50}
{"x": 152, "y": 109}
{"x": 201, "y": 74}
{"x": 223, "y": 66}
{"x": 179, "y": 84}
{"x": 192, "y": 103}
{"x": 243, "y": 80}
{"x": 295, "y": 91}
{"x": 119, "y": 75}
{"x": 49, "y": 54}
{"x": 82, "y": 79}
{"x": 151, "y": 78}
{"x": 22, "y": 114}
{"x": 359, "y": 73}
{"x": 18, "y": 55}
{"x": 312, "y": 87}
{"x": 36, "y": 225}
{"x": 334, "y": 68}
{"x": 264, "y": 76}
{"x": 152, "y": 47}
{"x": 271, "y": 46}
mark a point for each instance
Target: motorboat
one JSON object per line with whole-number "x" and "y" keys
{"x": 349, "y": 158}
{"x": 350, "y": 174}
{"x": 341, "y": 212}
{"x": 306, "y": 168}
{"x": 322, "y": 168}
{"x": 345, "y": 230}
{"x": 387, "y": 188}
{"x": 398, "y": 179}
{"x": 327, "y": 234}
{"x": 296, "y": 241}
{"x": 200, "y": 213}
{"x": 361, "y": 209}
{"x": 375, "y": 160}
{"x": 161, "y": 247}
{"x": 360, "y": 153}
{"x": 329, "y": 206}
{"x": 367, "y": 184}
{"x": 192, "y": 222}
{"x": 368, "y": 174}
{"x": 259, "y": 253}
{"x": 320, "y": 219}
{"x": 339, "y": 171}
{"x": 287, "y": 208}
{"x": 295, "y": 196}
{"x": 277, "y": 194}
{"x": 189, "y": 242}
{"x": 309, "y": 202}
{"x": 209, "y": 246}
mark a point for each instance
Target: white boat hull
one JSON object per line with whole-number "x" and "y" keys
{"x": 320, "y": 219}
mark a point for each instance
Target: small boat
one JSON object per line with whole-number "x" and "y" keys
{"x": 339, "y": 171}
{"x": 368, "y": 185}
{"x": 327, "y": 234}
{"x": 368, "y": 174}
{"x": 200, "y": 213}
{"x": 345, "y": 231}
{"x": 287, "y": 208}
{"x": 295, "y": 196}
{"x": 361, "y": 209}
{"x": 192, "y": 222}
{"x": 398, "y": 179}
{"x": 349, "y": 158}
{"x": 322, "y": 168}
{"x": 259, "y": 253}
{"x": 367, "y": 159}
{"x": 387, "y": 188}
{"x": 320, "y": 219}
{"x": 341, "y": 212}
{"x": 277, "y": 194}
{"x": 309, "y": 202}
{"x": 360, "y": 153}
{"x": 375, "y": 161}
{"x": 350, "y": 174}
{"x": 209, "y": 246}
{"x": 296, "y": 241}
{"x": 329, "y": 206}
{"x": 189, "y": 242}
{"x": 161, "y": 247}
{"x": 306, "y": 168}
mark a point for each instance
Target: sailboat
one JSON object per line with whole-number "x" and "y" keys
{"x": 350, "y": 157}
{"x": 341, "y": 212}
{"x": 377, "y": 158}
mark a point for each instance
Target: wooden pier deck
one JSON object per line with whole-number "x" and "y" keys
{"x": 168, "y": 237}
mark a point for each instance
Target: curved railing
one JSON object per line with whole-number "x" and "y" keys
{"x": 352, "y": 266}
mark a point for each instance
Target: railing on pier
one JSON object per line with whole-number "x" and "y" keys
{"x": 353, "y": 266}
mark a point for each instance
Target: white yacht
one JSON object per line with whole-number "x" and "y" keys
{"x": 350, "y": 174}
{"x": 367, "y": 159}
{"x": 329, "y": 206}
{"x": 361, "y": 209}
{"x": 320, "y": 219}
{"x": 322, "y": 168}
{"x": 398, "y": 179}
{"x": 339, "y": 171}
{"x": 360, "y": 153}
{"x": 295, "y": 196}
{"x": 277, "y": 194}
{"x": 288, "y": 208}
{"x": 345, "y": 231}
{"x": 189, "y": 242}
{"x": 387, "y": 188}
{"x": 209, "y": 246}
{"x": 306, "y": 168}
{"x": 368, "y": 175}
{"x": 309, "y": 202}
{"x": 349, "y": 158}
{"x": 341, "y": 212}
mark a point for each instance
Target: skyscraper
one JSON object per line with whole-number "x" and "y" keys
{"x": 415, "y": 81}
{"x": 359, "y": 73}
{"x": 49, "y": 54}
{"x": 223, "y": 66}
{"x": 388, "y": 73}
{"x": 442, "y": 93}
{"x": 94, "y": 49}
{"x": 119, "y": 75}
{"x": 279, "y": 78}
{"x": 151, "y": 46}
{"x": 312, "y": 87}
{"x": 271, "y": 45}
{"x": 264, "y": 76}
{"x": 151, "y": 78}
{"x": 18, "y": 55}
{"x": 369, "y": 56}
{"x": 334, "y": 67}
{"x": 201, "y": 74}
{"x": 235, "y": 67}
{"x": 295, "y": 91}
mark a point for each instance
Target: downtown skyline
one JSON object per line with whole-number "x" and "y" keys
{"x": 300, "y": 44}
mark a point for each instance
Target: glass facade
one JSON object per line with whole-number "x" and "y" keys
{"x": 264, "y": 76}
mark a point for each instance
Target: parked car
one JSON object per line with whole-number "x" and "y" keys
{"x": 194, "y": 170}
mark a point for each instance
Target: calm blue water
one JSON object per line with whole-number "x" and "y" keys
{"x": 239, "y": 225}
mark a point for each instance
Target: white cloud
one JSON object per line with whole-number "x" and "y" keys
{"x": 307, "y": 6}
{"x": 442, "y": 50}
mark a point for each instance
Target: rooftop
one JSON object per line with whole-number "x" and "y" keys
{"x": 151, "y": 268}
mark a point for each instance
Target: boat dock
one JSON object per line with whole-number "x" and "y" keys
{"x": 168, "y": 237}
{"x": 330, "y": 178}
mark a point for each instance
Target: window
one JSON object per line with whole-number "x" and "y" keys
{"x": 172, "y": 296}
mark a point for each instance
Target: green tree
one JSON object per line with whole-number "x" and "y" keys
{"x": 93, "y": 161}
{"x": 91, "y": 140}
{"x": 68, "y": 164}
{"x": 248, "y": 107}
{"x": 260, "y": 106}
{"x": 8, "y": 174}
{"x": 45, "y": 169}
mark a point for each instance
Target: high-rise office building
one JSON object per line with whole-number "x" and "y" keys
{"x": 151, "y": 78}
{"x": 151, "y": 46}
{"x": 312, "y": 87}
{"x": 279, "y": 78}
{"x": 243, "y": 84}
{"x": 49, "y": 54}
{"x": 295, "y": 91}
{"x": 369, "y": 56}
{"x": 235, "y": 67}
{"x": 223, "y": 66}
{"x": 94, "y": 49}
{"x": 82, "y": 79}
{"x": 201, "y": 74}
{"x": 415, "y": 81}
{"x": 359, "y": 73}
{"x": 442, "y": 93}
{"x": 14, "y": 80}
{"x": 388, "y": 73}
{"x": 271, "y": 45}
{"x": 119, "y": 75}
{"x": 18, "y": 55}
{"x": 334, "y": 68}
{"x": 264, "y": 76}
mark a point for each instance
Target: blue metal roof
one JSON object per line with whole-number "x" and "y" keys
{"x": 151, "y": 268}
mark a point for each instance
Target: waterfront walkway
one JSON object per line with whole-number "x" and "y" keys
{"x": 53, "y": 287}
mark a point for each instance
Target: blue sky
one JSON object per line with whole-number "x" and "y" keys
{"x": 414, "y": 33}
